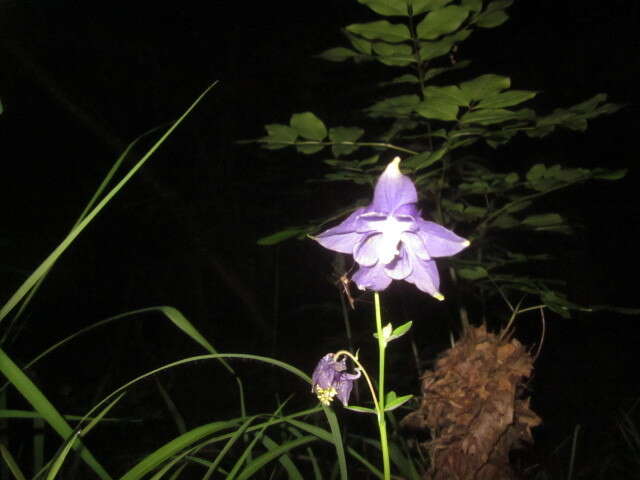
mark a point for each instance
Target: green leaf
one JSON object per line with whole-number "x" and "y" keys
{"x": 477, "y": 187}
{"x": 430, "y": 50}
{"x": 603, "y": 174}
{"x": 400, "y": 331}
{"x": 406, "y": 78}
{"x": 386, "y": 7}
{"x": 434, "y": 72}
{"x": 492, "y": 19}
{"x": 473, "y": 273}
{"x": 558, "y": 302}
{"x": 495, "y": 115}
{"x": 421, "y": 6}
{"x": 536, "y": 172}
{"x": 484, "y": 86}
{"x": 282, "y": 235}
{"x": 399, "y": 7}
{"x": 473, "y": 5}
{"x": 425, "y": 159}
{"x": 356, "y": 408}
{"x": 441, "y": 103}
{"x": 505, "y": 221}
{"x": 344, "y": 134}
{"x": 338, "y": 54}
{"x": 451, "y": 93}
{"x": 543, "y": 220}
{"x": 392, "y": 401}
{"x": 399, "y": 55}
{"x": 381, "y": 30}
{"x": 309, "y": 149}
{"x": 438, "y": 108}
{"x": 308, "y": 126}
{"x": 512, "y": 178}
{"x": 440, "y": 22}
{"x": 506, "y": 99}
{"x": 279, "y": 136}
{"x": 473, "y": 213}
{"x": 401, "y": 105}
{"x": 368, "y": 161}
{"x": 360, "y": 44}
{"x": 32, "y": 394}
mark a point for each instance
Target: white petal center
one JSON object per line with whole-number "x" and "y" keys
{"x": 391, "y": 229}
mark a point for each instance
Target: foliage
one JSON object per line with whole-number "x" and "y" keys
{"x": 432, "y": 123}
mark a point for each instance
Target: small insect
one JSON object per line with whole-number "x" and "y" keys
{"x": 340, "y": 277}
{"x": 346, "y": 290}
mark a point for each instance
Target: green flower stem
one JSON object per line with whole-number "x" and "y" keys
{"x": 362, "y": 370}
{"x": 382, "y": 345}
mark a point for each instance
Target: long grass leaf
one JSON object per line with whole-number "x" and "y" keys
{"x": 43, "y": 406}
{"x": 309, "y": 456}
{"x": 246, "y": 455}
{"x": 73, "y": 234}
{"x": 61, "y": 457}
{"x": 230, "y": 443}
{"x": 166, "y": 467}
{"x": 337, "y": 441}
{"x": 312, "y": 429}
{"x": 253, "y": 428}
{"x": 366, "y": 463}
{"x": 174, "y": 447}
{"x": 276, "y": 451}
{"x": 169, "y": 312}
{"x": 101, "y": 188}
{"x": 317, "y": 474}
{"x": 11, "y": 463}
{"x": 198, "y": 358}
{"x": 30, "y": 414}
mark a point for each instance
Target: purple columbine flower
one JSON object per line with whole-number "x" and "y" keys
{"x": 330, "y": 379}
{"x": 390, "y": 241}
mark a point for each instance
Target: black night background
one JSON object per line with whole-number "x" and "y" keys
{"x": 81, "y": 80}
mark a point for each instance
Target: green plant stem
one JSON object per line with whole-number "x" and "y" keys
{"x": 362, "y": 370}
{"x": 382, "y": 345}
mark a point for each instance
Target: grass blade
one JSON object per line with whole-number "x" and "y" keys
{"x": 11, "y": 463}
{"x": 45, "y": 408}
{"x": 42, "y": 269}
{"x": 230, "y": 443}
{"x": 174, "y": 447}
{"x": 277, "y": 451}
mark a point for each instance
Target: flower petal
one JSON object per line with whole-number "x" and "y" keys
{"x": 345, "y": 385}
{"x": 393, "y": 190}
{"x": 408, "y": 209}
{"x": 439, "y": 241}
{"x": 414, "y": 243}
{"x": 324, "y": 373}
{"x": 371, "y": 278}
{"x": 425, "y": 276}
{"x": 343, "y": 237}
{"x": 400, "y": 267}
{"x": 366, "y": 251}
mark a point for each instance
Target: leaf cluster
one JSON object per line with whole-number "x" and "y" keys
{"x": 432, "y": 124}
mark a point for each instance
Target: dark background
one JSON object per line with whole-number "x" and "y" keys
{"x": 80, "y": 80}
